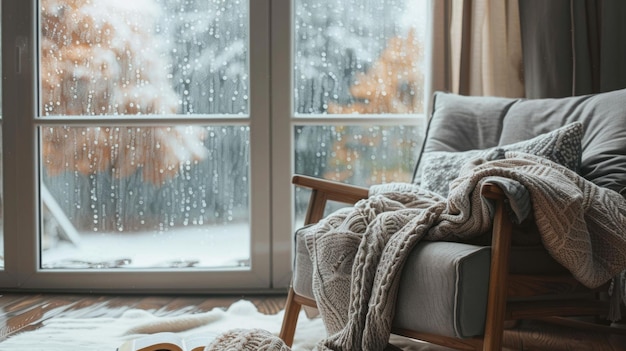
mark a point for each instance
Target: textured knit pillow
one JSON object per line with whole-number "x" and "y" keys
{"x": 563, "y": 146}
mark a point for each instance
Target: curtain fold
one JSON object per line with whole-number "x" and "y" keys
{"x": 475, "y": 48}
{"x": 573, "y": 47}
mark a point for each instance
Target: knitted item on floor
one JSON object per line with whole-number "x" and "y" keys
{"x": 247, "y": 340}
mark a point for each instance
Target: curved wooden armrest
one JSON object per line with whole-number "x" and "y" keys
{"x": 327, "y": 190}
{"x": 334, "y": 191}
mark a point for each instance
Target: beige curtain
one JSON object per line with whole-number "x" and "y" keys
{"x": 475, "y": 48}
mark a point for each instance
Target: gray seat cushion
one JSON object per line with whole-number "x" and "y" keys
{"x": 445, "y": 281}
{"x": 446, "y": 285}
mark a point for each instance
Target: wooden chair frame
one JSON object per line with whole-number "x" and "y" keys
{"x": 504, "y": 288}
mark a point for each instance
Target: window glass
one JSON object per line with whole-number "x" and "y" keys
{"x": 117, "y": 57}
{"x": 359, "y": 56}
{"x": 144, "y": 196}
{"x": 362, "y": 59}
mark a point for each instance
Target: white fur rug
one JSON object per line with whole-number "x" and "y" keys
{"x": 106, "y": 334}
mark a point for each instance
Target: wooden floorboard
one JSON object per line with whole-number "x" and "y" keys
{"x": 26, "y": 312}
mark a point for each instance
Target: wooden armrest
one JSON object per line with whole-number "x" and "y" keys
{"x": 327, "y": 190}
{"x": 334, "y": 191}
{"x": 492, "y": 191}
{"x": 324, "y": 190}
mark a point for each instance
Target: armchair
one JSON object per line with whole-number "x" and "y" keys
{"x": 459, "y": 294}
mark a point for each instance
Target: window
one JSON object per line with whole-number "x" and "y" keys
{"x": 151, "y": 133}
{"x": 138, "y": 196}
{"x": 356, "y": 113}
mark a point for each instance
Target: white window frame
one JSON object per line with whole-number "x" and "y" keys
{"x": 21, "y": 180}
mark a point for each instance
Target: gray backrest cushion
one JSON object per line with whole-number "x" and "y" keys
{"x": 604, "y": 120}
{"x": 461, "y": 123}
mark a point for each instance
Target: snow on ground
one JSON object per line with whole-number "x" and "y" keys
{"x": 199, "y": 246}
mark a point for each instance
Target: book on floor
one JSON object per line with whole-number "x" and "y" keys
{"x": 166, "y": 341}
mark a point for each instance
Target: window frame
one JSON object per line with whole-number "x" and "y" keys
{"x": 21, "y": 174}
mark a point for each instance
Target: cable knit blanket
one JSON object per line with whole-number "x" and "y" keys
{"x": 358, "y": 253}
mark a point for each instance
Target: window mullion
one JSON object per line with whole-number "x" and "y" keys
{"x": 18, "y": 156}
{"x": 282, "y": 143}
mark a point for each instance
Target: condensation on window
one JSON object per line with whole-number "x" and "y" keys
{"x": 359, "y": 56}
{"x": 120, "y": 57}
{"x": 184, "y": 185}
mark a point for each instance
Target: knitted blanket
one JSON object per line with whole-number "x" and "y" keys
{"x": 358, "y": 253}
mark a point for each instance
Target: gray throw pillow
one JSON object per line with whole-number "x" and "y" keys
{"x": 563, "y": 146}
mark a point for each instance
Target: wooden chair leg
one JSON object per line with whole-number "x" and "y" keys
{"x": 290, "y": 319}
{"x": 497, "y": 304}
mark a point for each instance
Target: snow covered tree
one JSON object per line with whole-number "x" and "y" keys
{"x": 337, "y": 39}
{"x": 357, "y": 57}
{"x": 100, "y": 58}
{"x": 208, "y": 49}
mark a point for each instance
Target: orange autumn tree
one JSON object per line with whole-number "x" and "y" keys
{"x": 99, "y": 57}
{"x": 393, "y": 84}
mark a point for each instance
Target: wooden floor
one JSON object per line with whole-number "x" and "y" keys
{"x": 26, "y": 312}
